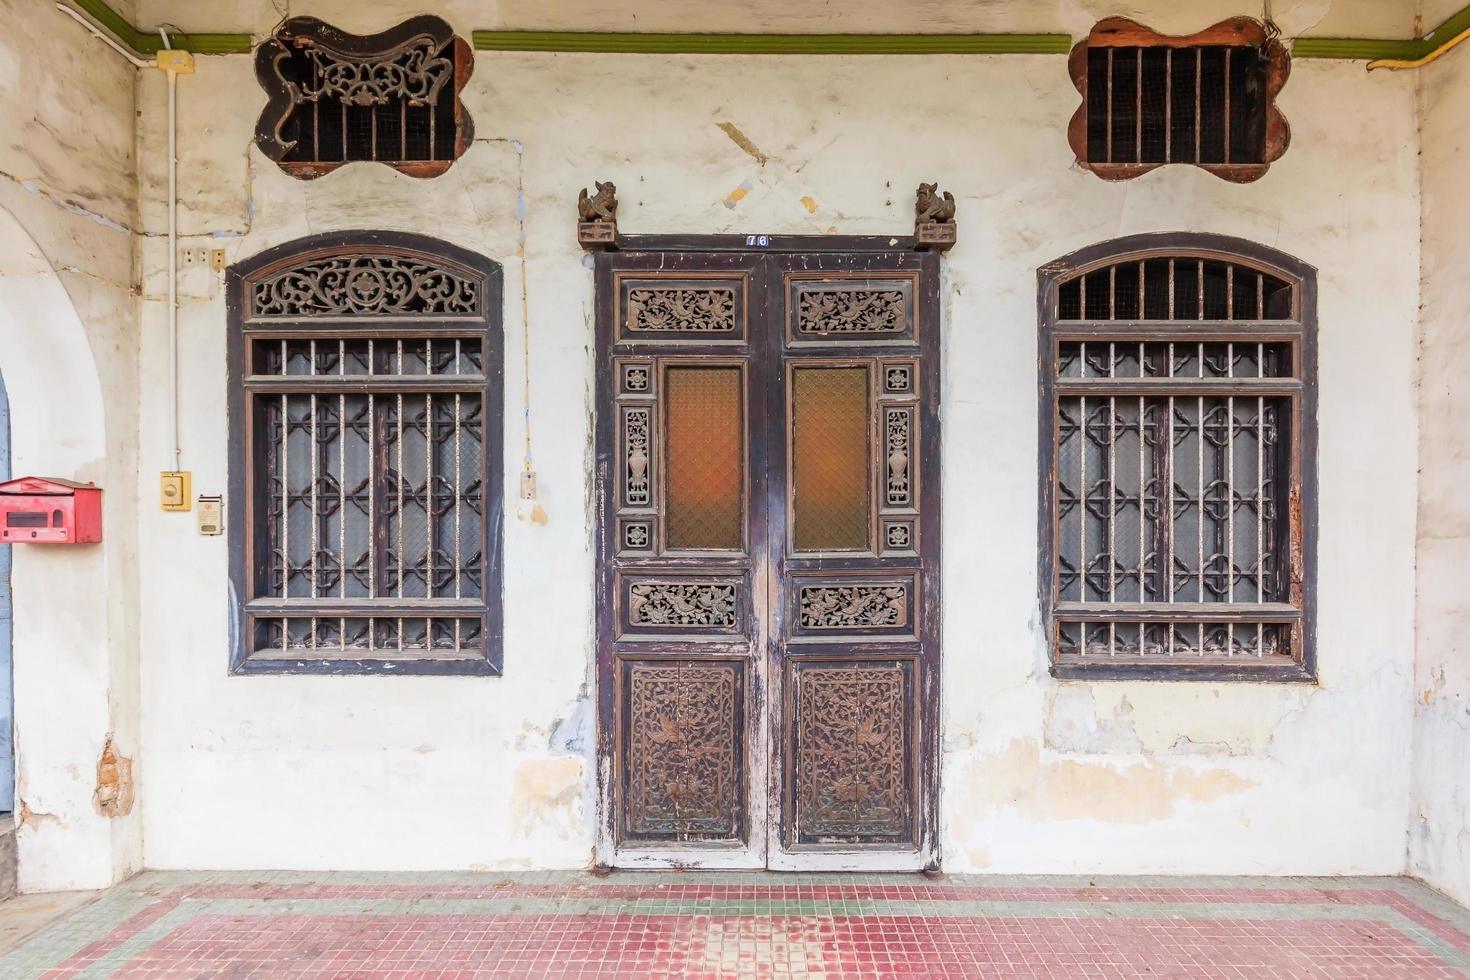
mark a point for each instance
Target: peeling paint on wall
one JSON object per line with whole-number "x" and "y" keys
{"x": 113, "y": 796}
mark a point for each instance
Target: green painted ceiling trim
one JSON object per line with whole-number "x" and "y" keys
{"x": 1455, "y": 24}
{"x": 772, "y": 43}
{"x": 1347, "y": 48}
{"x": 1353, "y": 48}
{"x": 146, "y": 45}
{"x": 1365, "y": 48}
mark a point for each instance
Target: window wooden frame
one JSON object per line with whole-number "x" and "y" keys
{"x": 376, "y": 71}
{"x": 1295, "y": 333}
{"x": 1116, "y": 33}
{"x": 372, "y": 319}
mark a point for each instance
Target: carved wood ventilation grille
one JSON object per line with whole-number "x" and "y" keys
{"x": 336, "y": 97}
{"x": 1176, "y": 390}
{"x": 373, "y": 508}
{"x": 1208, "y": 99}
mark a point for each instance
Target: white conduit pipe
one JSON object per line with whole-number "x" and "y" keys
{"x": 173, "y": 260}
{"x": 76, "y": 15}
{"x": 173, "y": 215}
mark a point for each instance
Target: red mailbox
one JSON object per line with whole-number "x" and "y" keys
{"x": 39, "y": 510}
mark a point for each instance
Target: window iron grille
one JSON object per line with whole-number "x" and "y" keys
{"x": 1208, "y": 99}
{"x": 1174, "y": 423}
{"x": 335, "y": 97}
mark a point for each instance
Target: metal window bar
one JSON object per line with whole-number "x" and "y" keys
{"x": 1215, "y": 636}
{"x": 313, "y": 401}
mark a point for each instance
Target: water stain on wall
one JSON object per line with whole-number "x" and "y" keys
{"x": 1067, "y": 789}
{"x": 546, "y": 793}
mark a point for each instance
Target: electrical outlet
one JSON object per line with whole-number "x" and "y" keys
{"x": 217, "y": 259}
{"x": 190, "y": 257}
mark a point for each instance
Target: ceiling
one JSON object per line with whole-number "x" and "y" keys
{"x": 1322, "y": 18}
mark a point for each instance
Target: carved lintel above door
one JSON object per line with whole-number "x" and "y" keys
{"x": 597, "y": 230}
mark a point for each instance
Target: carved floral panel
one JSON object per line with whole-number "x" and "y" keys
{"x": 898, "y": 452}
{"x": 851, "y": 733}
{"x": 365, "y": 285}
{"x": 637, "y": 456}
{"x": 682, "y": 604}
{"x": 857, "y": 311}
{"x": 683, "y": 750}
{"x": 853, "y": 607}
{"x": 681, "y": 309}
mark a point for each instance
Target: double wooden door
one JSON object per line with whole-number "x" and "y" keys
{"x": 768, "y": 558}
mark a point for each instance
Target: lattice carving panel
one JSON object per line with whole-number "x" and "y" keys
{"x": 684, "y": 775}
{"x": 852, "y": 743}
{"x": 365, "y": 285}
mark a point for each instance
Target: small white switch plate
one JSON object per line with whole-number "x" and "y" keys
{"x": 211, "y": 514}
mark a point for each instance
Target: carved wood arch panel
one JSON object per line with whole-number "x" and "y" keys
{"x": 337, "y": 98}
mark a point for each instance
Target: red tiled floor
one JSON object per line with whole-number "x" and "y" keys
{"x": 840, "y": 946}
{"x": 758, "y": 926}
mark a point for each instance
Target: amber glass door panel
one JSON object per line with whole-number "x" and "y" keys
{"x": 831, "y": 458}
{"x": 704, "y": 452}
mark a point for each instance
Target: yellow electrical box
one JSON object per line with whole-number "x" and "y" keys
{"x": 173, "y": 490}
{"x": 178, "y": 62}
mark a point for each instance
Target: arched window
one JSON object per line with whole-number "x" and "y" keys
{"x": 365, "y": 436}
{"x": 1178, "y": 390}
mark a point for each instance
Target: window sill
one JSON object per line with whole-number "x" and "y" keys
{"x": 1259, "y": 672}
{"x": 419, "y": 666}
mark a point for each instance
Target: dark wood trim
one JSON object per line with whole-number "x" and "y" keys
{"x": 240, "y": 525}
{"x": 747, "y": 244}
{"x": 1302, "y": 522}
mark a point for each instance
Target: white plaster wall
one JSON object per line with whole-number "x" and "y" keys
{"x": 1038, "y": 776}
{"x": 68, "y": 352}
{"x": 1440, "y": 841}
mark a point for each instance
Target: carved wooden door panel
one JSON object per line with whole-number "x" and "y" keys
{"x": 768, "y": 558}
{"x": 854, "y": 556}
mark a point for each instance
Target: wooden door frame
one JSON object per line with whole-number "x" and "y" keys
{"x": 765, "y": 789}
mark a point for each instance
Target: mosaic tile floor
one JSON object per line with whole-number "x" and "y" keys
{"x": 666, "y": 925}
